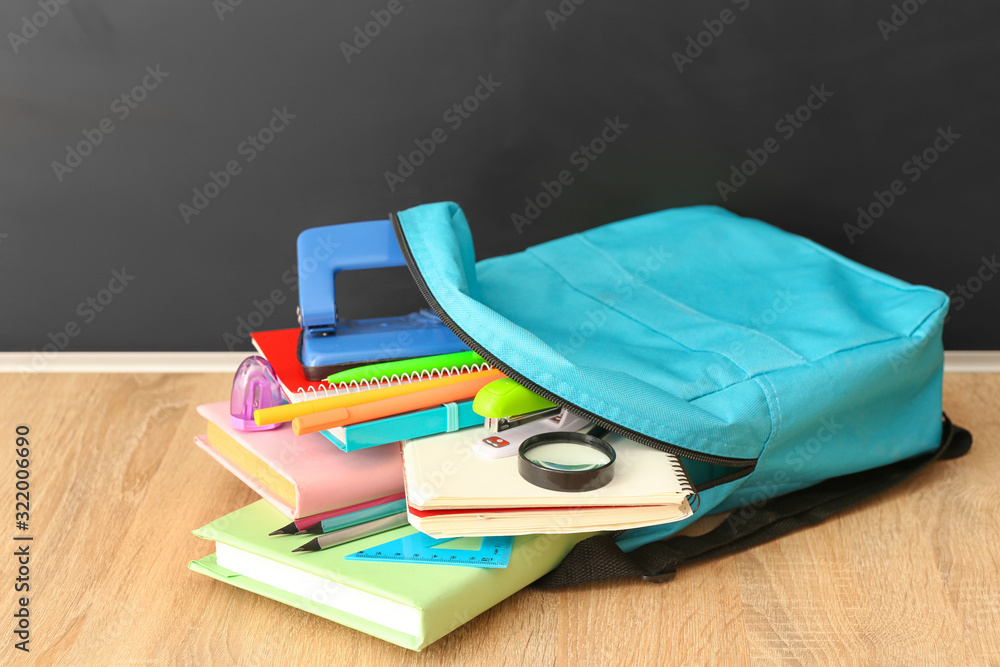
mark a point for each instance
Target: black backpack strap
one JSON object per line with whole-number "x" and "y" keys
{"x": 599, "y": 557}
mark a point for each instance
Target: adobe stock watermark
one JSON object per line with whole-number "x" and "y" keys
{"x": 223, "y": 7}
{"x": 455, "y": 462}
{"x": 32, "y": 23}
{"x": 915, "y": 167}
{"x": 959, "y": 296}
{"x": 121, "y": 108}
{"x": 787, "y": 125}
{"x": 455, "y": 116}
{"x": 365, "y": 33}
{"x": 246, "y": 325}
{"x": 248, "y": 150}
{"x": 593, "y": 320}
{"x": 562, "y": 12}
{"x": 965, "y": 292}
{"x": 162, "y": 413}
{"x": 795, "y": 460}
{"x": 898, "y": 17}
{"x": 697, "y": 43}
{"x": 263, "y": 309}
{"x": 433, "y": 480}
{"x": 717, "y": 375}
{"x": 87, "y": 310}
{"x": 541, "y": 544}
{"x": 581, "y": 158}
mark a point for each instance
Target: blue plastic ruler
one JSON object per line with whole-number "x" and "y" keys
{"x": 420, "y": 548}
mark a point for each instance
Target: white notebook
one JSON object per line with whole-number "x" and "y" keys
{"x": 442, "y": 473}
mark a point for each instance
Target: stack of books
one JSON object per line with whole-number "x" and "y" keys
{"x": 350, "y": 477}
{"x": 379, "y": 509}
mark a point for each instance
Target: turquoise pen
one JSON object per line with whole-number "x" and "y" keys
{"x": 354, "y": 518}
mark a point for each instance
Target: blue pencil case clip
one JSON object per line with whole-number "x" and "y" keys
{"x": 329, "y": 344}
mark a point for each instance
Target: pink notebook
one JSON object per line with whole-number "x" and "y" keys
{"x": 324, "y": 477}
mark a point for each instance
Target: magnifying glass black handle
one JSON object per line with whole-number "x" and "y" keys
{"x": 596, "y": 431}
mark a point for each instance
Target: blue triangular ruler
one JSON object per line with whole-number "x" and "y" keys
{"x": 493, "y": 552}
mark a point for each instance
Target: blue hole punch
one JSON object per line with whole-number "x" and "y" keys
{"x": 329, "y": 344}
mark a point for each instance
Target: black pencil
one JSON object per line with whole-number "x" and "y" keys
{"x": 354, "y": 533}
{"x": 290, "y": 529}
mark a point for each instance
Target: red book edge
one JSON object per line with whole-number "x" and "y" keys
{"x": 422, "y": 514}
{"x": 280, "y": 348}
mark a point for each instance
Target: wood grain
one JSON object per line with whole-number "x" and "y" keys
{"x": 911, "y": 577}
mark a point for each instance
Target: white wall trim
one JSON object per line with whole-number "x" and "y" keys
{"x": 121, "y": 362}
{"x": 226, "y": 362}
{"x": 962, "y": 361}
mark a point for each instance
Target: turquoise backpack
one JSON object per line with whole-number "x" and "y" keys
{"x": 791, "y": 381}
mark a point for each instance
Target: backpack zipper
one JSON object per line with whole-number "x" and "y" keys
{"x": 670, "y": 448}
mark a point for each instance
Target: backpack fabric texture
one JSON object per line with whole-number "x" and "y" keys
{"x": 767, "y": 362}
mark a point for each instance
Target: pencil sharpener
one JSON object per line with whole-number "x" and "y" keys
{"x": 255, "y": 387}
{"x": 328, "y": 344}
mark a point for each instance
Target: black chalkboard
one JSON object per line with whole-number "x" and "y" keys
{"x": 159, "y": 159}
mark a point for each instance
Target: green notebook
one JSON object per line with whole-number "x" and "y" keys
{"x": 411, "y": 605}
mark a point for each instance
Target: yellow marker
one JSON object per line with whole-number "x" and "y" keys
{"x": 286, "y": 413}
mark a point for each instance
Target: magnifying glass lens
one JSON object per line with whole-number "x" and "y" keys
{"x": 567, "y": 456}
{"x": 566, "y": 461}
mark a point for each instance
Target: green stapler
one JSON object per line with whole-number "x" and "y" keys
{"x": 506, "y": 404}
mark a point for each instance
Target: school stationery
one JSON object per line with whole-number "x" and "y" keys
{"x": 506, "y": 404}
{"x": 567, "y": 461}
{"x": 410, "y": 397}
{"x": 644, "y": 476}
{"x": 450, "y": 491}
{"x": 713, "y": 337}
{"x": 354, "y": 518}
{"x": 440, "y": 419}
{"x": 498, "y": 446}
{"x": 301, "y": 525}
{"x": 286, "y": 413}
{"x": 410, "y": 605}
{"x": 542, "y": 520}
{"x": 345, "y": 535}
{"x": 412, "y": 369}
{"x": 330, "y": 344}
{"x": 279, "y": 348}
{"x": 300, "y": 475}
{"x": 254, "y": 386}
{"x": 491, "y": 552}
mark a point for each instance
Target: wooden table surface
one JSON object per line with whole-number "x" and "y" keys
{"x": 118, "y": 485}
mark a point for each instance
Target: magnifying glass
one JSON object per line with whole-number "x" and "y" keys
{"x": 567, "y": 461}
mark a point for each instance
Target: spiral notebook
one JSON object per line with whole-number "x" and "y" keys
{"x": 280, "y": 348}
{"x": 451, "y": 492}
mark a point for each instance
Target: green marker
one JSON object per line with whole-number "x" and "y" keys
{"x": 440, "y": 363}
